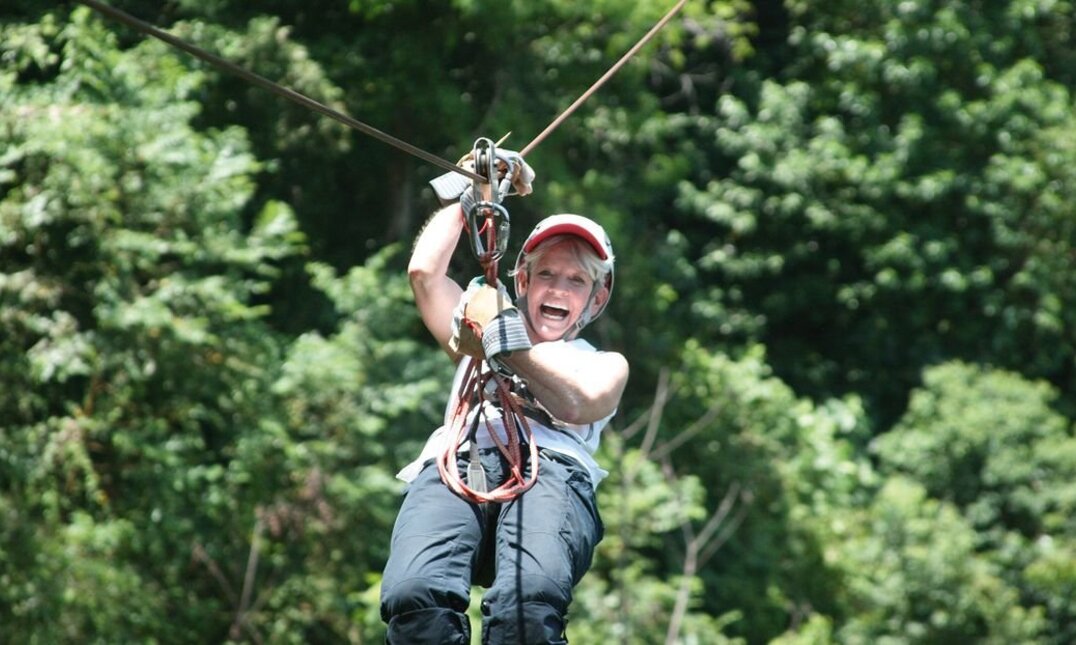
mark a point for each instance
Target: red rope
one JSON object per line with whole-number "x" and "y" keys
{"x": 489, "y": 263}
{"x": 473, "y": 389}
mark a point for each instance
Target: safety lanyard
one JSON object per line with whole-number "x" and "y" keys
{"x": 474, "y": 392}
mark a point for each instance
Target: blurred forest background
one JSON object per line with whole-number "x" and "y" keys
{"x": 846, "y": 235}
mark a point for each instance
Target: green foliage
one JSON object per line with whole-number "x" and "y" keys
{"x": 914, "y": 576}
{"x": 626, "y": 598}
{"x": 988, "y": 442}
{"x": 980, "y": 439}
{"x": 787, "y": 469}
{"x": 844, "y": 228}
{"x": 875, "y": 179}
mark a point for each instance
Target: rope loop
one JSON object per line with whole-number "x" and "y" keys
{"x": 473, "y": 392}
{"x": 487, "y": 223}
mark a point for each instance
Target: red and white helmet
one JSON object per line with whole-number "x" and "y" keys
{"x": 589, "y": 231}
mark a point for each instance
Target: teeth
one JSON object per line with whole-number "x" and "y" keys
{"x": 554, "y": 312}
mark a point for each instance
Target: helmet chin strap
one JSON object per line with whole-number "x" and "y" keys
{"x": 585, "y": 317}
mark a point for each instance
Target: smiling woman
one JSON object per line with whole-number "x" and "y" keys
{"x": 565, "y": 255}
{"x": 533, "y": 546}
{"x": 559, "y": 292}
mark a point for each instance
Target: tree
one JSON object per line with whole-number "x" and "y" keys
{"x": 783, "y": 467}
{"x": 914, "y": 576}
{"x": 134, "y": 351}
{"x": 632, "y": 596}
{"x": 357, "y": 404}
{"x": 989, "y": 442}
{"x": 882, "y": 202}
{"x": 211, "y": 366}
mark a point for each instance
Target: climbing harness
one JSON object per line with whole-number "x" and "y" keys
{"x": 475, "y": 392}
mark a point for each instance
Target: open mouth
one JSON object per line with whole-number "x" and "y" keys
{"x": 554, "y": 312}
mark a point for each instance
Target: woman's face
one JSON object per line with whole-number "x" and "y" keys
{"x": 558, "y": 290}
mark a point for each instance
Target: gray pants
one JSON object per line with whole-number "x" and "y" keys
{"x": 537, "y": 547}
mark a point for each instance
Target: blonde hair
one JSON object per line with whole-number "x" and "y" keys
{"x": 595, "y": 267}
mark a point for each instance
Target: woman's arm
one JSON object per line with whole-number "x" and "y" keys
{"x": 575, "y": 385}
{"x": 436, "y": 294}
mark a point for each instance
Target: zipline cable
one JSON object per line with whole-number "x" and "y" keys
{"x": 277, "y": 89}
{"x": 601, "y": 81}
{"x": 325, "y": 110}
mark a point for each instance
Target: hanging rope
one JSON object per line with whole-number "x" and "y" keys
{"x": 472, "y": 393}
{"x": 483, "y": 387}
{"x": 605, "y": 77}
{"x": 479, "y": 387}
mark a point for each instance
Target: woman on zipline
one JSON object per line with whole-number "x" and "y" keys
{"x": 524, "y": 418}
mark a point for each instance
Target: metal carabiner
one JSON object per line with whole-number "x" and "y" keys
{"x": 489, "y": 226}
{"x": 487, "y": 219}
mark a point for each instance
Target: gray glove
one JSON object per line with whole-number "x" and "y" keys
{"x": 451, "y": 185}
